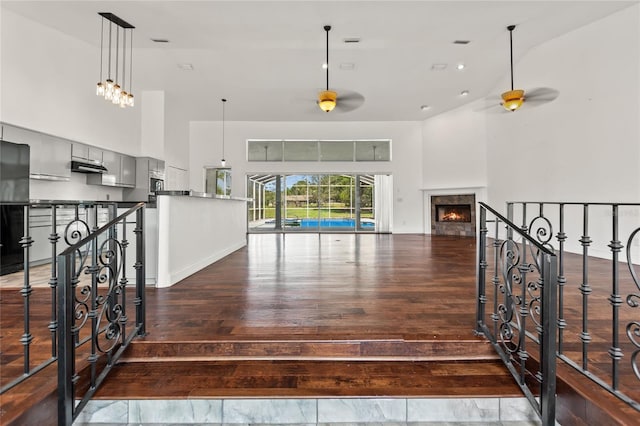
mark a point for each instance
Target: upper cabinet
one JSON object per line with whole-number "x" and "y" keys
{"x": 87, "y": 153}
{"x": 50, "y": 156}
{"x": 121, "y": 171}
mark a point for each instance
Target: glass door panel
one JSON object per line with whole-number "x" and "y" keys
{"x": 312, "y": 203}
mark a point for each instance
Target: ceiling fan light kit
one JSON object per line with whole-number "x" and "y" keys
{"x": 513, "y": 99}
{"x": 327, "y": 100}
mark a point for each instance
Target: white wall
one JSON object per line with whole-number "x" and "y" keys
{"x": 454, "y": 150}
{"x": 205, "y": 149}
{"x": 48, "y": 84}
{"x": 584, "y": 146}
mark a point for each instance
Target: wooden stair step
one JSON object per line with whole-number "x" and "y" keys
{"x": 308, "y": 378}
{"x": 400, "y": 350}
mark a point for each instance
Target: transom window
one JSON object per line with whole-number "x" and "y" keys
{"x": 319, "y": 150}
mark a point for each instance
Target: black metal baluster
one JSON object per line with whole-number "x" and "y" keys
{"x": 140, "y": 274}
{"x": 562, "y": 237}
{"x": 482, "y": 267}
{"x": 123, "y": 281}
{"x": 523, "y": 267}
{"x": 66, "y": 342}
{"x": 54, "y": 237}
{"x": 548, "y": 360}
{"x": 616, "y": 301}
{"x": 93, "y": 312}
{"x": 26, "y": 291}
{"x": 496, "y": 277}
{"x": 585, "y": 289}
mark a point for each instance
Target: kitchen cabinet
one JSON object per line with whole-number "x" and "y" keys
{"x": 146, "y": 169}
{"x": 50, "y": 157}
{"x": 86, "y": 152}
{"x": 121, "y": 171}
{"x": 128, "y": 171}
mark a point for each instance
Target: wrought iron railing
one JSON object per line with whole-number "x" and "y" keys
{"x": 57, "y": 225}
{"x": 598, "y": 319}
{"x": 516, "y": 312}
{"x": 94, "y": 326}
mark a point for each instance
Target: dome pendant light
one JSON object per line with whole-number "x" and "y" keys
{"x": 223, "y": 162}
{"x": 327, "y": 98}
{"x": 512, "y": 99}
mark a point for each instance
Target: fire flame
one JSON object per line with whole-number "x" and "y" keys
{"x": 452, "y": 216}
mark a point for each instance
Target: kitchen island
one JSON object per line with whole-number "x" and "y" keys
{"x": 196, "y": 229}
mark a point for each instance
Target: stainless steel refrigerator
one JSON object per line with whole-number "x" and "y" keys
{"x": 14, "y": 194}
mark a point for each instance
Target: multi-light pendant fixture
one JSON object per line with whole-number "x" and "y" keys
{"x": 110, "y": 88}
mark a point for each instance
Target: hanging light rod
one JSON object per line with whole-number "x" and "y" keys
{"x": 116, "y": 20}
{"x": 512, "y": 99}
{"x": 327, "y": 98}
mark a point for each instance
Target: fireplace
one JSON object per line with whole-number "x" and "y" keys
{"x": 453, "y": 215}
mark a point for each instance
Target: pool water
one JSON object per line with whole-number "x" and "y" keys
{"x": 335, "y": 223}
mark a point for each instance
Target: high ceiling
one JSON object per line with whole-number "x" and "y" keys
{"x": 265, "y": 57}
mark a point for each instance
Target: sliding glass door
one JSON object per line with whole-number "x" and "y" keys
{"x": 316, "y": 203}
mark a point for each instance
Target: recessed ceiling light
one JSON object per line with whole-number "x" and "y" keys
{"x": 464, "y": 93}
{"x": 460, "y": 66}
{"x": 461, "y": 42}
{"x": 186, "y": 67}
{"x": 160, "y": 40}
{"x": 347, "y": 66}
{"x": 438, "y": 67}
{"x": 325, "y": 66}
{"x": 425, "y": 107}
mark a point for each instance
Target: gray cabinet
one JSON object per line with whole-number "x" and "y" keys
{"x": 121, "y": 171}
{"x": 127, "y": 171}
{"x": 86, "y": 152}
{"x": 50, "y": 155}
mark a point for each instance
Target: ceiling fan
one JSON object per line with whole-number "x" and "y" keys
{"x": 513, "y": 99}
{"x": 328, "y": 100}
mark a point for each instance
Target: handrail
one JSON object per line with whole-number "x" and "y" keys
{"x": 521, "y": 296}
{"x": 575, "y": 203}
{"x": 103, "y": 229}
{"x": 619, "y": 296}
{"x": 101, "y": 306}
{"x": 524, "y": 235}
{"x": 78, "y": 213}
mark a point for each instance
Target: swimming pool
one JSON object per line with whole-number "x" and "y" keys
{"x": 327, "y": 222}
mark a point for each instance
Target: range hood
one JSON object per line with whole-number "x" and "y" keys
{"x": 84, "y": 167}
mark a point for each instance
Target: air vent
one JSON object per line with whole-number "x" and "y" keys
{"x": 352, "y": 40}
{"x": 461, "y": 42}
{"x": 347, "y": 66}
{"x": 438, "y": 67}
{"x": 186, "y": 67}
{"x": 160, "y": 40}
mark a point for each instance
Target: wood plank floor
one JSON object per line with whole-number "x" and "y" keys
{"x": 303, "y": 314}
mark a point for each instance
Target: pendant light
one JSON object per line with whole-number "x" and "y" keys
{"x": 327, "y": 98}
{"x": 512, "y": 99}
{"x": 223, "y": 162}
{"x": 110, "y": 89}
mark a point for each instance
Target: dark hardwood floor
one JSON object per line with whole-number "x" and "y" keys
{"x": 313, "y": 315}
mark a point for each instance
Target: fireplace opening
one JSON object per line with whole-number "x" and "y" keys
{"x": 453, "y": 213}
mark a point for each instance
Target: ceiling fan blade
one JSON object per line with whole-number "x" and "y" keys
{"x": 348, "y": 100}
{"x": 541, "y": 95}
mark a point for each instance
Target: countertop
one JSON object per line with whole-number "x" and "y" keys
{"x": 196, "y": 194}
